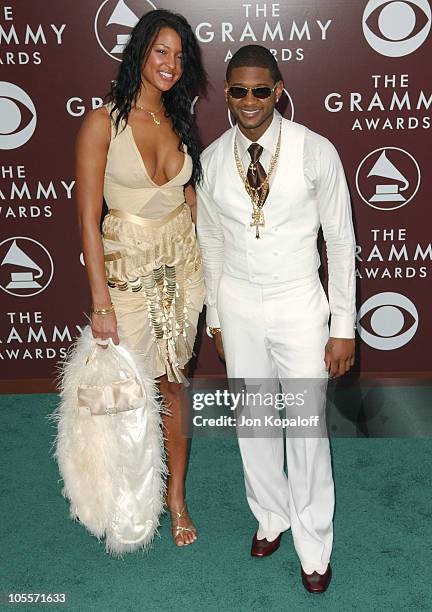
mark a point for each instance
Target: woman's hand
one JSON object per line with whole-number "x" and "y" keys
{"x": 104, "y": 326}
{"x": 190, "y": 197}
{"x": 219, "y": 345}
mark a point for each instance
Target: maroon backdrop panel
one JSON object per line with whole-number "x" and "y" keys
{"x": 356, "y": 72}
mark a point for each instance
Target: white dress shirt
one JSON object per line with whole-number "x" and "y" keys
{"x": 328, "y": 205}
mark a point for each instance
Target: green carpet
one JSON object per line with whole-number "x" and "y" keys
{"x": 382, "y": 551}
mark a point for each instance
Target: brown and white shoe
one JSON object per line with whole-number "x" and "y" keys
{"x": 316, "y": 583}
{"x": 264, "y": 548}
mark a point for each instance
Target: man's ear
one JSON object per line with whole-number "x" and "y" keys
{"x": 279, "y": 90}
{"x": 226, "y": 90}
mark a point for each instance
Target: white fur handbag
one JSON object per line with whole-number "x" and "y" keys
{"x": 109, "y": 444}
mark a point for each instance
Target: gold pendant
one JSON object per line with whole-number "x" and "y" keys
{"x": 155, "y": 119}
{"x": 257, "y": 221}
{"x": 257, "y": 194}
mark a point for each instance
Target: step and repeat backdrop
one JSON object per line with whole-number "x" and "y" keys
{"x": 357, "y": 72}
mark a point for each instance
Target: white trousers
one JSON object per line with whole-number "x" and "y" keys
{"x": 279, "y": 332}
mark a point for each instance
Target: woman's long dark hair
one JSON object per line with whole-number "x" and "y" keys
{"x": 178, "y": 99}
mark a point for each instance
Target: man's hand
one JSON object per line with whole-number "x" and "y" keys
{"x": 219, "y": 345}
{"x": 339, "y": 356}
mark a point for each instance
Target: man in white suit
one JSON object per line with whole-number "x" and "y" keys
{"x": 268, "y": 185}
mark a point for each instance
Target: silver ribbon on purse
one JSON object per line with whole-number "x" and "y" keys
{"x": 110, "y": 397}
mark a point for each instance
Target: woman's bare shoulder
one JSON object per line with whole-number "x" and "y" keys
{"x": 98, "y": 119}
{"x": 96, "y": 125}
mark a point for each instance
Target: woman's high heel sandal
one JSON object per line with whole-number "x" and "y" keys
{"x": 178, "y": 529}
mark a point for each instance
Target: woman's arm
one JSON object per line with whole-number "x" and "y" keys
{"x": 91, "y": 154}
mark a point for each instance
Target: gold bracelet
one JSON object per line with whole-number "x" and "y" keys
{"x": 214, "y": 331}
{"x": 103, "y": 311}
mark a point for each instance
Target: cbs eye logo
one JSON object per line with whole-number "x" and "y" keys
{"x": 396, "y": 28}
{"x": 14, "y": 103}
{"x": 393, "y": 320}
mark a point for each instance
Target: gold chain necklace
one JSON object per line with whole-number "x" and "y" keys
{"x": 156, "y": 120}
{"x": 257, "y": 194}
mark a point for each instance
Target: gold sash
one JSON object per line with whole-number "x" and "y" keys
{"x": 158, "y": 222}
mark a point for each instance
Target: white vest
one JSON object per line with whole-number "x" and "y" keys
{"x": 287, "y": 248}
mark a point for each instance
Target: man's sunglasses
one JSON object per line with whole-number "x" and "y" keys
{"x": 237, "y": 92}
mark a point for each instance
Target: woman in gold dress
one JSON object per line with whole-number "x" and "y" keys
{"x": 140, "y": 152}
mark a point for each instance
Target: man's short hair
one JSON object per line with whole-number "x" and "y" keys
{"x": 254, "y": 56}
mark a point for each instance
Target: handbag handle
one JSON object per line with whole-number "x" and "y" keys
{"x": 100, "y": 342}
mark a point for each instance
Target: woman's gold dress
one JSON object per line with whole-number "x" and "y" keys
{"x": 152, "y": 259}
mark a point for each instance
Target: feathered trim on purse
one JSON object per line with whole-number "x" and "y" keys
{"x": 109, "y": 444}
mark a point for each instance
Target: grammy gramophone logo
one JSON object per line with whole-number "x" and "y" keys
{"x": 26, "y": 267}
{"x": 388, "y": 178}
{"x": 114, "y": 21}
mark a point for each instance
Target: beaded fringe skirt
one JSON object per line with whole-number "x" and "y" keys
{"x": 155, "y": 277}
